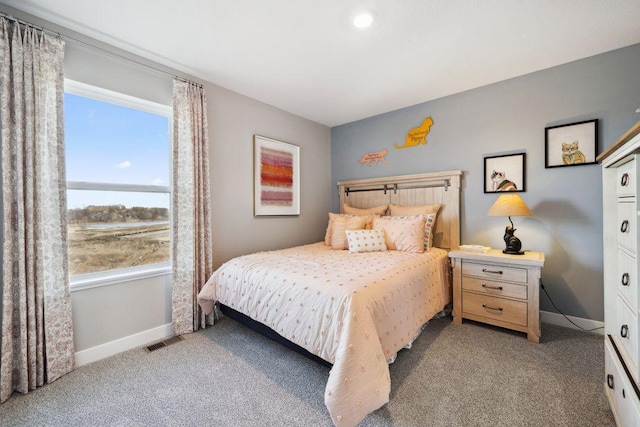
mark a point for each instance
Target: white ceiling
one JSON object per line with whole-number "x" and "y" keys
{"x": 305, "y": 57}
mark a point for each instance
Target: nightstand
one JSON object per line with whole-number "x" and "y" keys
{"x": 498, "y": 289}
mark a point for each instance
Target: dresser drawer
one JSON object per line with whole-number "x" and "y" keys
{"x": 491, "y": 287}
{"x": 627, "y": 279}
{"x": 490, "y": 307}
{"x": 620, "y": 393}
{"x": 627, "y": 336}
{"x": 626, "y": 227}
{"x": 626, "y": 180}
{"x": 494, "y": 272}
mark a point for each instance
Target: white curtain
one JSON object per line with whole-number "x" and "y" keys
{"x": 37, "y": 336}
{"x": 192, "y": 243}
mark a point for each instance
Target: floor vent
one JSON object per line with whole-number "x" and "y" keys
{"x": 161, "y": 344}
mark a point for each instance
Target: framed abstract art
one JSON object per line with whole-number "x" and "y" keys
{"x": 276, "y": 174}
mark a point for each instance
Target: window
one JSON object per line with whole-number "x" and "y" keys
{"x": 118, "y": 185}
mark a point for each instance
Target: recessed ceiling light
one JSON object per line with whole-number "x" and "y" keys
{"x": 363, "y": 19}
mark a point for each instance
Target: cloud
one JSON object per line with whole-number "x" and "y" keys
{"x": 124, "y": 165}
{"x": 157, "y": 181}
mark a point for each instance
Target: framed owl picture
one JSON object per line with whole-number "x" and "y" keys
{"x": 573, "y": 144}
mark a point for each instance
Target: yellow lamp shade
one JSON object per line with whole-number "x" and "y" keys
{"x": 509, "y": 205}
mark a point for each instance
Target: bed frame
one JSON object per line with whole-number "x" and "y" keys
{"x": 421, "y": 189}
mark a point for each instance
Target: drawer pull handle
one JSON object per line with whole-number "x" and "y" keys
{"x": 624, "y": 227}
{"x": 491, "y": 308}
{"x": 484, "y": 270}
{"x": 610, "y": 381}
{"x": 625, "y": 279}
{"x": 624, "y": 181}
{"x": 498, "y": 288}
{"x": 624, "y": 331}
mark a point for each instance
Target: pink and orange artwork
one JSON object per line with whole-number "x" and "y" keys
{"x": 277, "y": 177}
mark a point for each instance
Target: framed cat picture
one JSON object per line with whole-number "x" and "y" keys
{"x": 504, "y": 173}
{"x": 574, "y": 144}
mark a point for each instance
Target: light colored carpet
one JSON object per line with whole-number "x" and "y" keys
{"x": 227, "y": 375}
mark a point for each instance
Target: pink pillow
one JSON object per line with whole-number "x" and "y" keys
{"x": 405, "y": 235}
{"x": 397, "y": 210}
{"x": 429, "y": 224}
{"x": 378, "y": 210}
{"x": 340, "y": 225}
{"x": 333, "y": 216}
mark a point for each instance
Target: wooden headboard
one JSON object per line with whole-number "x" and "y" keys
{"x": 419, "y": 189}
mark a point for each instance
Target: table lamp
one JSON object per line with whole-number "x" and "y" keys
{"x": 510, "y": 205}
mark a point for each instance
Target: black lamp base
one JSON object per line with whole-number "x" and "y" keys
{"x": 513, "y": 243}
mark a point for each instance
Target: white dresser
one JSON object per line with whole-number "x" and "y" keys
{"x": 621, "y": 197}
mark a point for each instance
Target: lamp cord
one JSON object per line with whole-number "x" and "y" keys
{"x": 565, "y": 316}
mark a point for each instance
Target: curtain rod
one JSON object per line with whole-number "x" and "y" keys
{"x": 97, "y": 49}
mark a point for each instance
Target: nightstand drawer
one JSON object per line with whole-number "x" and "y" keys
{"x": 495, "y": 308}
{"x": 494, "y": 272}
{"x": 495, "y": 288}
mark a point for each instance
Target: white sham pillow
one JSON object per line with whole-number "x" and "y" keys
{"x": 366, "y": 240}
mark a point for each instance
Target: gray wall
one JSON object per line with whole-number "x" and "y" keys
{"x": 108, "y": 313}
{"x": 233, "y": 120}
{"x": 510, "y": 117}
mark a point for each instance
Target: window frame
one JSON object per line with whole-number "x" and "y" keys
{"x": 117, "y": 276}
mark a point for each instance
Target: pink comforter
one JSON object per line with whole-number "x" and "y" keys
{"x": 355, "y": 310}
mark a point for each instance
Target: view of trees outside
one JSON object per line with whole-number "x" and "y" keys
{"x": 105, "y": 238}
{"x": 117, "y": 145}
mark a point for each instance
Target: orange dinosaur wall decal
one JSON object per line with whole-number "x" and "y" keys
{"x": 417, "y": 136}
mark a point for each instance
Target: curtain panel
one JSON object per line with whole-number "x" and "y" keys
{"x": 37, "y": 338}
{"x": 191, "y": 232}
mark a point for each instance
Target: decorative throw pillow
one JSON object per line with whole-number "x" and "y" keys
{"x": 340, "y": 225}
{"x": 378, "y": 210}
{"x": 429, "y": 226}
{"x": 366, "y": 240}
{"x": 429, "y": 230}
{"x": 402, "y": 234}
{"x": 333, "y": 216}
{"x": 327, "y": 234}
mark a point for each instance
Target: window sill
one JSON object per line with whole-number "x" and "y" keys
{"x": 96, "y": 280}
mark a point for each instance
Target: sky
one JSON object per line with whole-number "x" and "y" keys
{"x": 109, "y": 143}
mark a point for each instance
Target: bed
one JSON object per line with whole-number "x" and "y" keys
{"x": 353, "y": 309}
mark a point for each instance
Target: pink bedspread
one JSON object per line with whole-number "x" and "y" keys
{"x": 355, "y": 310}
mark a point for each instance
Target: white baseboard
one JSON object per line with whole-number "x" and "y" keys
{"x": 559, "y": 319}
{"x": 123, "y": 344}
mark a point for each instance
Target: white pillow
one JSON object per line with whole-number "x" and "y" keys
{"x": 366, "y": 240}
